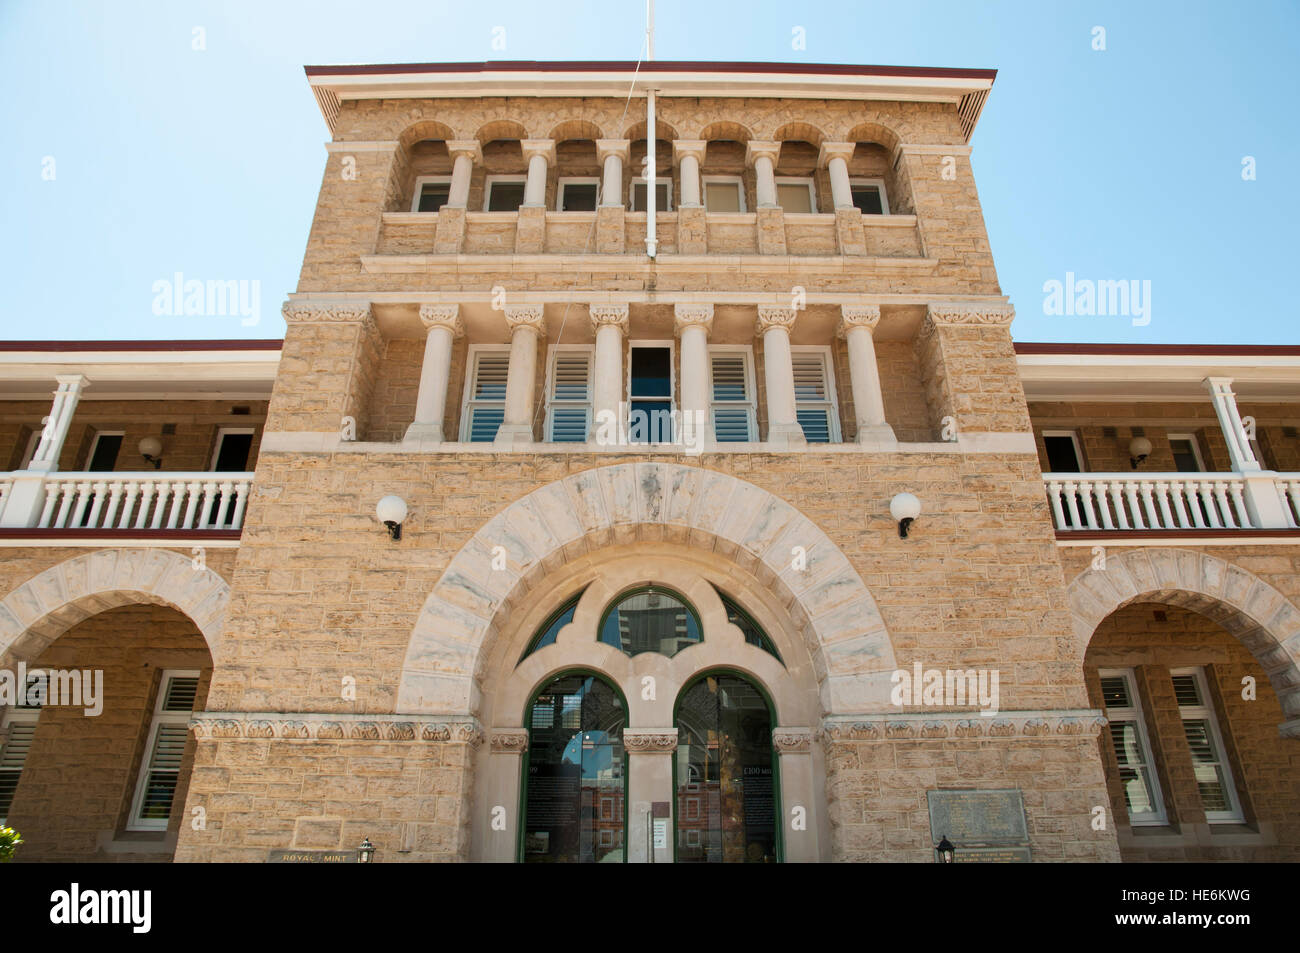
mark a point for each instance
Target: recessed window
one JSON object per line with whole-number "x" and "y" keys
{"x": 104, "y": 450}
{"x": 1128, "y": 736}
{"x": 1209, "y": 759}
{"x": 663, "y": 194}
{"x": 723, "y": 193}
{"x": 485, "y": 394}
{"x": 550, "y": 629}
{"x": 650, "y": 393}
{"x": 1187, "y": 453}
{"x": 732, "y": 393}
{"x": 503, "y": 193}
{"x": 652, "y": 619}
{"x": 568, "y": 405}
{"x": 869, "y": 196}
{"x": 161, "y": 768}
{"x": 1063, "y": 453}
{"x": 742, "y": 620}
{"x": 431, "y": 193}
{"x": 233, "y": 449}
{"x": 796, "y": 194}
{"x": 19, "y": 725}
{"x": 579, "y": 195}
{"x": 814, "y": 394}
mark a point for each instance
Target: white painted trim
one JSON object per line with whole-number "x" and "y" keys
{"x": 632, "y": 345}
{"x": 879, "y": 183}
{"x": 746, "y": 351}
{"x": 1243, "y": 539}
{"x": 805, "y": 180}
{"x": 832, "y": 393}
{"x": 420, "y": 183}
{"x": 467, "y": 392}
{"x": 1205, "y": 712}
{"x": 736, "y": 180}
{"x": 159, "y": 718}
{"x": 492, "y": 180}
{"x": 1133, "y": 713}
{"x": 549, "y": 445}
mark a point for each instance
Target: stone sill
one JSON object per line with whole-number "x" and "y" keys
{"x": 1196, "y": 835}
{"x": 138, "y": 842}
{"x": 564, "y": 261}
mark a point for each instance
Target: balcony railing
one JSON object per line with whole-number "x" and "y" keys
{"x": 1160, "y": 501}
{"x": 140, "y": 501}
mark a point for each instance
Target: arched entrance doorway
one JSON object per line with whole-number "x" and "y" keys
{"x": 726, "y": 773}
{"x": 575, "y": 779}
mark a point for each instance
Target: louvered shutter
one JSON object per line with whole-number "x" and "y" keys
{"x": 570, "y": 404}
{"x": 13, "y": 755}
{"x": 160, "y": 773}
{"x": 813, "y": 399}
{"x": 487, "y": 396}
{"x": 733, "y": 404}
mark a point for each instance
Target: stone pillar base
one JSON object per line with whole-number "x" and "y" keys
{"x": 450, "y": 236}
{"x": 849, "y": 235}
{"x": 424, "y": 433}
{"x": 771, "y": 231}
{"x": 530, "y": 234}
{"x": 880, "y": 437}
{"x": 611, "y": 234}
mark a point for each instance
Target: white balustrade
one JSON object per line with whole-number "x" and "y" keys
{"x": 1288, "y": 493}
{"x": 150, "y": 500}
{"x": 1126, "y": 501}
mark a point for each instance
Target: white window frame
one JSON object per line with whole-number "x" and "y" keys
{"x": 467, "y": 398}
{"x": 94, "y": 445}
{"x": 1205, "y": 712}
{"x": 746, "y": 351}
{"x": 879, "y": 183}
{"x": 576, "y": 180}
{"x": 736, "y": 180}
{"x": 671, "y": 345}
{"x": 552, "y": 354}
{"x": 420, "y": 183}
{"x": 659, "y": 180}
{"x": 832, "y": 392}
{"x": 159, "y": 718}
{"x": 1134, "y": 714}
{"x": 1074, "y": 438}
{"x": 222, "y": 433}
{"x": 806, "y": 180}
{"x": 1196, "y": 447}
{"x": 492, "y": 180}
{"x": 15, "y": 715}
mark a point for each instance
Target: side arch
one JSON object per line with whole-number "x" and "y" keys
{"x": 827, "y": 601}
{"x": 1260, "y": 616}
{"x": 51, "y": 602}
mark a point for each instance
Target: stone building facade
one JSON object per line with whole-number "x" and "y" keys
{"x": 650, "y": 597}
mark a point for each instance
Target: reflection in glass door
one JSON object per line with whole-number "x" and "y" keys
{"x": 725, "y": 774}
{"x": 574, "y": 804}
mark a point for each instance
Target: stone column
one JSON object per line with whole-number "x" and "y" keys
{"x": 800, "y": 832}
{"x": 465, "y": 154}
{"x": 689, "y": 153}
{"x": 1241, "y": 453}
{"x": 649, "y": 782}
{"x": 774, "y": 324}
{"x": 610, "y": 322}
{"x": 444, "y": 326}
{"x": 612, "y": 153}
{"x": 762, "y": 156}
{"x": 527, "y": 327}
{"x": 857, "y": 325}
{"x": 499, "y": 801}
{"x": 22, "y": 505}
{"x": 539, "y": 153}
{"x": 693, "y": 323}
{"x": 834, "y": 157}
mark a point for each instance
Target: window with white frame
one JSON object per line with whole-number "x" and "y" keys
{"x": 503, "y": 193}
{"x": 233, "y": 449}
{"x": 578, "y": 194}
{"x": 1128, "y": 736}
{"x": 1209, "y": 757}
{"x": 432, "y": 192}
{"x": 723, "y": 193}
{"x": 17, "y": 730}
{"x": 869, "y": 196}
{"x": 731, "y": 393}
{"x": 160, "y": 768}
{"x": 663, "y": 194}
{"x": 1187, "y": 453}
{"x": 814, "y": 394}
{"x": 485, "y": 393}
{"x": 1064, "y": 455}
{"x": 796, "y": 193}
{"x": 650, "y": 388}
{"x": 568, "y": 390}
{"x": 104, "y": 450}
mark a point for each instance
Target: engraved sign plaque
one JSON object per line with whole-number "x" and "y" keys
{"x": 313, "y": 857}
{"x": 979, "y": 818}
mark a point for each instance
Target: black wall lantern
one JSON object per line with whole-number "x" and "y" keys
{"x": 944, "y": 852}
{"x": 366, "y": 852}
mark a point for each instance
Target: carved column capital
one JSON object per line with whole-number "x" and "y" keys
{"x": 605, "y": 314}
{"x": 650, "y": 740}
{"x": 538, "y": 147}
{"x": 792, "y": 740}
{"x": 613, "y": 147}
{"x": 693, "y": 315}
{"x": 834, "y": 150}
{"x": 689, "y": 147}
{"x": 858, "y": 316}
{"x": 465, "y": 147}
{"x": 442, "y": 316}
{"x": 526, "y": 316}
{"x": 509, "y": 740}
{"x": 756, "y": 149}
{"x": 771, "y": 317}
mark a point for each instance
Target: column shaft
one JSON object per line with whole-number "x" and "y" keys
{"x": 443, "y": 323}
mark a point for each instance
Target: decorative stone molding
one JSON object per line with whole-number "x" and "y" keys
{"x": 51, "y": 602}
{"x": 508, "y": 740}
{"x": 834, "y": 150}
{"x": 465, "y": 147}
{"x": 693, "y": 315}
{"x": 526, "y": 316}
{"x": 689, "y": 147}
{"x": 612, "y": 147}
{"x": 313, "y": 726}
{"x": 1260, "y": 616}
{"x": 940, "y": 725}
{"x": 650, "y": 740}
{"x": 792, "y": 740}
{"x": 442, "y": 316}
{"x": 966, "y": 315}
{"x": 770, "y": 317}
{"x": 755, "y": 149}
{"x": 324, "y": 314}
{"x": 603, "y": 314}
{"x": 858, "y": 316}
{"x": 538, "y": 147}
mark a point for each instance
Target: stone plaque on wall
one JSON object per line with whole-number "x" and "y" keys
{"x": 313, "y": 857}
{"x": 980, "y": 818}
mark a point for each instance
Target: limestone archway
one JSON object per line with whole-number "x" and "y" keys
{"x": 51, "y": 602}
{"x": 823, "y": 594}
{"x": 1262, "y": 618}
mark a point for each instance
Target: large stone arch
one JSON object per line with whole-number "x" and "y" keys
{"x": 1265, "y": 621}
{"x": 51, "y": 602}
{"x": 827, "y": 601}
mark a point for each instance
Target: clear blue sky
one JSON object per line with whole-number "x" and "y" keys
{"x": 1117, "y": 164}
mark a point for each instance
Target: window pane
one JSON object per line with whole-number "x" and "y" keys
{"x": 579, "y": 197}
{"x": 105, "y": 455}
{"x": 1134, "y": 773}
{"x": 650, "y": 621}
{"x": 484, "y": 422}
{"x": 794, "y": 197}
{"x": 866, "y": 199}
{"x": 1186, "y": 691}
{"x": 638, "y": 197}
{"x": 1114, "y": 692}
{"x": 722, "y": 197}
{"x": 652, "y": 371}
{"x": 433, "y": 196}
{"x": 1061, "y": 457}
{"x": 505, "y": 196}
{"x": 1184, "y": 456}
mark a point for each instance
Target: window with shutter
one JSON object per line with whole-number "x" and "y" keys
{"x": 485, "y": 395}
{"x": 1128, "y": 736}
{"x": 568, "y": 411}
{"x": 731, "y": 392}
{"x": 20, "y": 725}
{"x": 161, "y": 766}
{"x": 814, "y": 395}
{"x": 1209, "y": 760}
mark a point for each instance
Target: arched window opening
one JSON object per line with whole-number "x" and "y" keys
{"x": 651, "y": 619}
{"x": 551, "y": 627}
{"x": 753, "y": 632}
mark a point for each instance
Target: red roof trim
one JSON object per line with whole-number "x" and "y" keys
{"x": 266, "y": 344}
{"x": 1191, "y": 350}
{"x": 1120, "y": 535}
{"x": 55, "y": 535}
{"x": 653, "y": 66}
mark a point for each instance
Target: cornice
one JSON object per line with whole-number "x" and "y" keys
{"x": 888, "y": 727}
{"x": 325, "y": 314}
{"x": 315, "y": 726}
{"x": 968, "y": 315}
